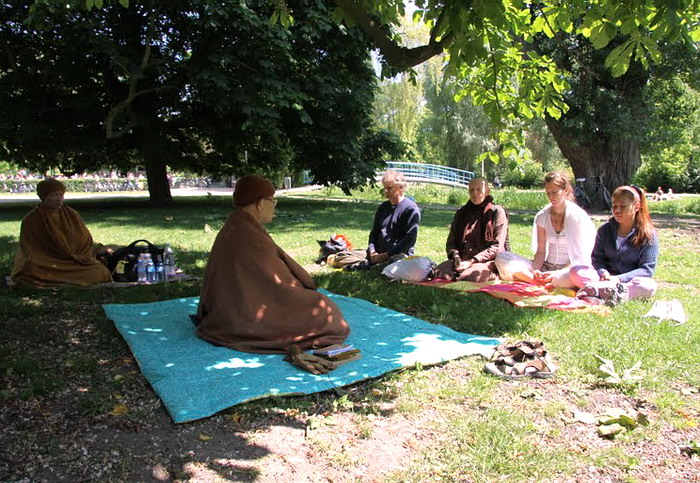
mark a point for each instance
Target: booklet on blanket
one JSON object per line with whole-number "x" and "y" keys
{"x": 333, "y": 350}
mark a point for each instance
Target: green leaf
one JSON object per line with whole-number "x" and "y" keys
{"x": 525, "y": 110}
{"x": 627, "y": 421}
{"x": 628, "y": 25}
{"x": 695, "y": 34}
{"x": 601, "y": 35}
{"x": 618, "y": 61}
{"x": 565, "y": 22}
{"x": 493, "y": 10}
{"x": 652, "y": 48}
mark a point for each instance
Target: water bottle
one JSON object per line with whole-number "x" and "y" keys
{"x": 168, "y": 262}
{"x": 160, "y": 274}
{"x": 150, "y": 270}
{"x": 141, "y": 276}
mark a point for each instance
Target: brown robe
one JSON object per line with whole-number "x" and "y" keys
{"x": 477, "y": 233}
{"x": 256, "y": 298}
{"x": 56, "y": 248}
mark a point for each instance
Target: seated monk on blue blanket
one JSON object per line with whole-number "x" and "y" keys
{"x": 55, "y": 246}
{"x": 255, "y": 297}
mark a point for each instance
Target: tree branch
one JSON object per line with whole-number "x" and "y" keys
{"x": 400, "y": 58}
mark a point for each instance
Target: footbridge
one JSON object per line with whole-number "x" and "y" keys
{"x": 421, "y": 173}
{"x": 430, "y": 173}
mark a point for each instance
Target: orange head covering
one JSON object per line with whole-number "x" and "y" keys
{"x": 251, "y": 189}
{"x": 44, "y": 188}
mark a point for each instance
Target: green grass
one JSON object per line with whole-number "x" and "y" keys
{"x": 513, "y": 199}
{"x": 480, "y": 442}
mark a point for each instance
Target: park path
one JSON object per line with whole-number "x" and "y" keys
{"x": 663, "y": 221}
{"x": 30, "y": 198}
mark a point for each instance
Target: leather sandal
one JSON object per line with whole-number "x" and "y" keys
{"x": 536, "y": 368}
{"x": 520, "y": 351}
{"x": 608, "y": 294}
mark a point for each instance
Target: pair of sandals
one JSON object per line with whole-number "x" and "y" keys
{"x": 317, "y": 364}
{"x": 524, "y": 359}
{"x": 608, "y": 294}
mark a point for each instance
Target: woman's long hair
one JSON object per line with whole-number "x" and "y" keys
{"x": 642, "y": 219}
{"x": 561, "y": 180}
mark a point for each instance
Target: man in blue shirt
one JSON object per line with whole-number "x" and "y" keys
{"x": 395, "y": 229}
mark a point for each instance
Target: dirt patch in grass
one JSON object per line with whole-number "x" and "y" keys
{"x": 651, "y": 453}
{"x": 75, "y": 407}
{"x": 106, "y": 424}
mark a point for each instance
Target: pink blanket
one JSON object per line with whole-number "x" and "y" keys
{"x": 523, "y": 294}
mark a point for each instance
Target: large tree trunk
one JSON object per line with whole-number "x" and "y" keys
{"x": 156, "y": 169}
{"x": 614, "y": 160}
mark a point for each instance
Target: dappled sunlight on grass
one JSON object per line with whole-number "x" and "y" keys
{"x": 59, "y": 341}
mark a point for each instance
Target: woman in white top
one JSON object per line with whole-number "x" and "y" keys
{"x": 563, "y": 235}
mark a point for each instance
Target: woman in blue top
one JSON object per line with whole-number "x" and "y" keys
{"x": 625, "y": 252}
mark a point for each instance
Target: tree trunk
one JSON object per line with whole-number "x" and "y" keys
{"x": 614, "y": 160}
{"x": 156, "y": 169}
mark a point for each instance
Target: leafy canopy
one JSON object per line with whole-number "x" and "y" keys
{"x": 490, "y": 46}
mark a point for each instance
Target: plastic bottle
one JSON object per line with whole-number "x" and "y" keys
{"x": 150, "y": 269}
{"x": 141, "y": 276}
{"x": 160, "y": 273}
{"x": 168, "y": 262}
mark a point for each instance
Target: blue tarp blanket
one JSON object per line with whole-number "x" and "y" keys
{"x": 196, "y": 379}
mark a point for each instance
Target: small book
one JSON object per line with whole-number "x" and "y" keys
{"x": 343, "y": 357}
{"x": 333, "y": 350}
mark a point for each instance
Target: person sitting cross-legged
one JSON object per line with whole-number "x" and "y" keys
{"x": 563, "y": 236}
{"x": 254, "y": 296}
{"x": 55, "y": 247}
{"x": 395, "y": 228}
{"x": 625, "y": 252}
{"x": 479, "y": 231}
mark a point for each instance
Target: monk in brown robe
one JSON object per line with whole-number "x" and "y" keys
{"x": 478, "y": 233}
{"x": 55, "y": 246}
{"x": 255, "y": 297}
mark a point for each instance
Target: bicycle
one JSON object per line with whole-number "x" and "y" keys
{"x": 580, "y": 194}
{"x": 596, "y": 197}
{"x": 601, "y": 195}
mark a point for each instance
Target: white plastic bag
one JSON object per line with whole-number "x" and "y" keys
{"x": 411, "y": 269}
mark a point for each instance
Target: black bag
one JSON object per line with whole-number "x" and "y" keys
{"x": 335, "y": 244}
{"x": 130, "y": 256}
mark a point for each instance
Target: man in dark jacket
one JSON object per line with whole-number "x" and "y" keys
{"x": 396, "y": 222}
{"x": 478, "y": 233}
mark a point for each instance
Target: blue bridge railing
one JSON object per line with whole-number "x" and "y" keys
{"x": 431, "y": 173}
{"x": 420, "y": 172}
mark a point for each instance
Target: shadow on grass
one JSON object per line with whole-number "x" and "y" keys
{"x": 65, "y": 354}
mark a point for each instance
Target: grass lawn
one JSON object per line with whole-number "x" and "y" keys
{"x": 74, "y": 405}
